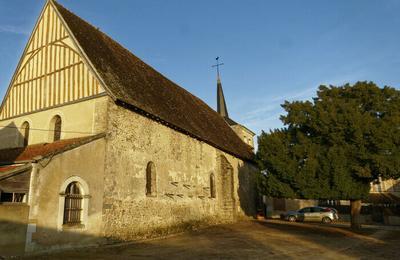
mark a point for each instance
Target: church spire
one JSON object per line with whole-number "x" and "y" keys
{"x": 221, "y": 105}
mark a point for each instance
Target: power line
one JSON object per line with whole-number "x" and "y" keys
{"x": 47, "y": 130}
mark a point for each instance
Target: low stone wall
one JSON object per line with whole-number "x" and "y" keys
{"x": 364, "y": 219}
{"x": 367, "y": 219}
{"x": 275, "y": 206}
{"x": 393, "y": 220}
{"x": 13, "y": 225}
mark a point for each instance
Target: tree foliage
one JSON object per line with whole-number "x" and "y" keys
{"x": 334, "y": 146}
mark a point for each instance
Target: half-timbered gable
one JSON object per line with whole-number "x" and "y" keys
{"x": 53, "y": 78}
{"x": 51, "y": 72}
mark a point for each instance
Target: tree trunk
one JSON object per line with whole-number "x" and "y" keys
{"x": 355, "y": 214}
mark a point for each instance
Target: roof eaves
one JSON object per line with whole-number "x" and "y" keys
{"x": 15, "y": 171}
{"x": 176, "y": 128}
{"x": 119, "y": 91}
{"x": 58, "y": 151}
{"x": 70, "y": 147}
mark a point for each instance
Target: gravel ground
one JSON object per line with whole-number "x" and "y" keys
{"x": 254, "y": 240}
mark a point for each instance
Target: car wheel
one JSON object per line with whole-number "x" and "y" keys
{"x": 326, "y": 220}
{"x": 291, "y": 218}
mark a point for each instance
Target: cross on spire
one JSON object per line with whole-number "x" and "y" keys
{"x": 217, "y": 65}
{"x": 221, "y": 105}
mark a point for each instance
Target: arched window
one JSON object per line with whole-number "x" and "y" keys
{"x": 73, "y": 204}
{"x": 55, "y": 128}
{"x": 151, "y": 181}
{"x": 25, "y": 133}
{"x": 212, "y": 186}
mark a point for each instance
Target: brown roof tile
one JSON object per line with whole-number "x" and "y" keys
{"x": 8, "y": 156}
{"x": 132, "y": 81}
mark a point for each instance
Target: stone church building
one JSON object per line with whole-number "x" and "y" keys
{"x": 97, "y": 145}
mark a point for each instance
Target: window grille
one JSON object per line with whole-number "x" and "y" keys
{"x": 73, "y": 204}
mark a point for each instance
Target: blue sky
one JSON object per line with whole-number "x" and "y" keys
{"x": 272, "y": 50}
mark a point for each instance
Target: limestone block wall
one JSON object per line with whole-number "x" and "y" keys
{"x": 244, "y": 134}
{"x": 50, "y": 177}
{"x": 183, "y": 168}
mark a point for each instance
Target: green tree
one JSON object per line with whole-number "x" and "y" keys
{"x": 334, "y": 146}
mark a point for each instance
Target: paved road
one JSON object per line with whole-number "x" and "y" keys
{"x": 255, "y": 240}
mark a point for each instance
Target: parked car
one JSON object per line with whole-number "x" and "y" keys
{"x": 315, "y": 214}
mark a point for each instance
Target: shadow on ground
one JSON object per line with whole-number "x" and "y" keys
{"x": 255, "y": 240}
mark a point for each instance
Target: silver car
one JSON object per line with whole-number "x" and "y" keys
{"x": 314, "y": 214}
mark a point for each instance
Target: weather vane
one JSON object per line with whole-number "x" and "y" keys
{"x": 217, "y": 65}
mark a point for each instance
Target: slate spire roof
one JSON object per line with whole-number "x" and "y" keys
{"x": 222, "y": 109}
{"x": 131, "y": 81}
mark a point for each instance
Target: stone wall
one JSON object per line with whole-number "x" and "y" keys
{"x": 13, "y": 226}
{"x": 276, "y": 206}
{"x": 84, "y": 164}
{"x": 183, "y": 167}
{"x": 245, "y": 134}
{"x": 83, "y": 118}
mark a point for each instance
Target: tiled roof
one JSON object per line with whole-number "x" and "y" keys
{"x": 15, "y": 178}
{"x": 130, "y": 80}
{"x": 7, "y": 168}
{"x": 31, "y": 152}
